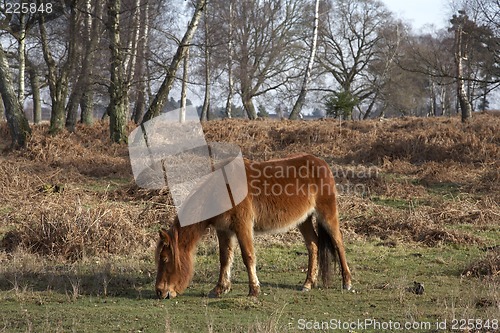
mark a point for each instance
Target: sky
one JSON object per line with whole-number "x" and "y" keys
{"x": 420, "y": 12}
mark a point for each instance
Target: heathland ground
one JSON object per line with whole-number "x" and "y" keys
{"x": 419, "y": 202}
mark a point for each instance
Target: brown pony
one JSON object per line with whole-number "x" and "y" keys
{"x": 282, "y": 194}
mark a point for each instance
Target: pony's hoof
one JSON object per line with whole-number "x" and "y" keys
{"x": 218, "y": 292}
{"x": 306, "y": 289}
{"x": 213, "y": 294}
{"x": 254, "y": 293}
{"x": 348, "y": 287}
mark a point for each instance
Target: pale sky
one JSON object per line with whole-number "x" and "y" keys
{"x": 420, "y": 12}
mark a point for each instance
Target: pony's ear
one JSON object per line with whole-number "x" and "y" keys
{"x": 164, "y": 236}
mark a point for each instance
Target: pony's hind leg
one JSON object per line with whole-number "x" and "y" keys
{"x": 311, "y": 240}
{"x": 227, "y": 241}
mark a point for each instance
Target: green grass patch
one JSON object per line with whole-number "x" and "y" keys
{"x": 445, "y": 190}
{"x": 391, "y": 202}
{"x": 105, "y": 185}
{"x": 117, "y": 294}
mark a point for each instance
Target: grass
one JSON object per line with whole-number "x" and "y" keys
{"x": 106, "y": 184}
{"x": 391, "y": 202}
{"x": 447, "y": 190}
{"x": 45, "y": 297}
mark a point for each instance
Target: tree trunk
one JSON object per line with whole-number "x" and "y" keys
{"x": 249, "y": 106}
{"x": 22, "y": 57}
{"x": 140, "y": 92}
{"x": 16, "y": 119}
{"x": 182, "y": 114}
{"x": 117, "y": 108}
{"x": 132, "y": 47}
{"x": 206, "y": 101}
{"x": 297, "y": 108}
{"x": 2, "y": 109}
{"x": 162, "y": 95}
{"x": 130, "y": 57}
{"x": 463, "y": 99}
{"x": 370, "y": 107}
{"x": 72, "y": 107}
{"x": 229, "y": 101}
{"x": 87, "y": 107}
{"x": 35, "y": 88}
{"x": 433, "y": 99}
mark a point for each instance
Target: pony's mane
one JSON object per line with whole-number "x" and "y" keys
{"x": 158, "y": 248}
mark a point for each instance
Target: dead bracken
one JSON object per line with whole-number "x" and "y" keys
{"x": 430, "y": 181}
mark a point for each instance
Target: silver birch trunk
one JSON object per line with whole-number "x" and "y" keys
{"x": 117, "y": 108}
{"x": 182, "y": 114}
{"x": 463, "y": 100}
{"x": 35, "y": 88}
{"x": 140, "y": 100}
{"x": 297, "y": 108}
{"x": 21, "y": 59}
{"x": 16, "y": 119}
{"x": 131, "y": 55}
{"x": 93, "y": 39}
{"x": 206, "y": 101}
{"x": 229, "y": 102}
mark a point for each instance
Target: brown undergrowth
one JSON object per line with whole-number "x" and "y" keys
{"x": 430, "y": 181}
{"x": 487, "y": 267}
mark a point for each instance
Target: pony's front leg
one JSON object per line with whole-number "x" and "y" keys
{"x": 245, "y": 238}
{"x": 311, "y": 240}
{"x": 227, "y": 241}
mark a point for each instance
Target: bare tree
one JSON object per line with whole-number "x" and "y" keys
{"x": 81, "y": 90}
{"x": 164, "y": 90}
{"x": 266, "y": 38}
{"x": 382, "y": 70}
{"x": 349, "y": 40}
{"x": 58, "y": 74}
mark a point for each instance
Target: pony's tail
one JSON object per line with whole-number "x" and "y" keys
{"x": 327, "y": 253}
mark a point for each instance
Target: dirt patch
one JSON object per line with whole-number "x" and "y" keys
{"x": 488, "y": 266}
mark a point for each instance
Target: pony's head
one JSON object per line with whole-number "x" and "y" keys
{"x": 174, "y": 267}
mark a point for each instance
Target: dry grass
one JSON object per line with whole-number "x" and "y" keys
{"x": 417, "y": 178}
{"x": 73, "y": 231}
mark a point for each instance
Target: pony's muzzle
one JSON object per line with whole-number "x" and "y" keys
{"x": 162, "y": 294}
